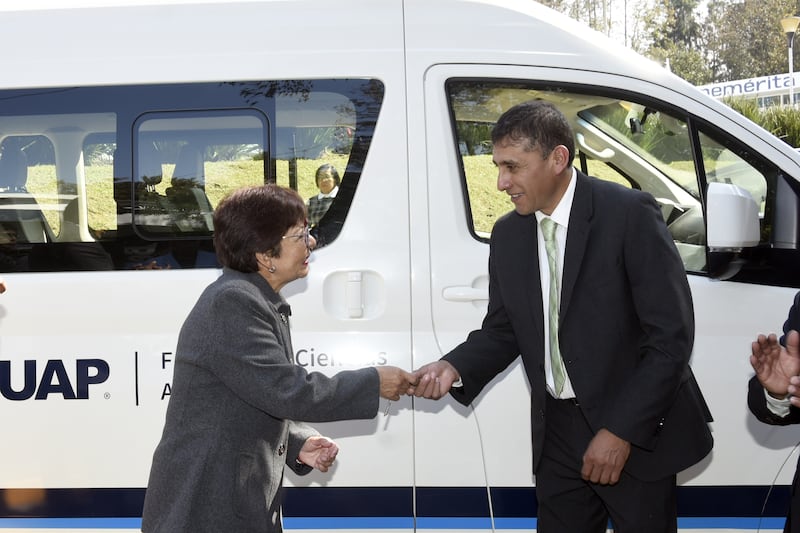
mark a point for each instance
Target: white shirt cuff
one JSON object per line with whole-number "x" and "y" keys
{"x": 776, "y": 406}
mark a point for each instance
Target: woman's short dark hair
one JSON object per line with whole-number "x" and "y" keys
{"x": 253, "y": 220}
{"x": 327, "y": 170}
{"x": 537, "y": 124}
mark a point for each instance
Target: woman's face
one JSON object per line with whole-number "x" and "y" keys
{"x": 326, "y": 183}
{"x": 296, "y": 246}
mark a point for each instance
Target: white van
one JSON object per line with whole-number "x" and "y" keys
{"x": 122, "y": 125}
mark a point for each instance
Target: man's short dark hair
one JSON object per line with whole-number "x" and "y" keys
{"x": 537, "y": 124}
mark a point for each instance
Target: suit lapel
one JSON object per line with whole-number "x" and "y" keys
{"x": 524, "y": 262}
{"x": 577, "y": 238}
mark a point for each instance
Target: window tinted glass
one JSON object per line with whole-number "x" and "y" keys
{"x": 127, "y": 177}
{"x": 618, "y": 137}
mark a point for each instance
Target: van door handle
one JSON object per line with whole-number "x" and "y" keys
{"x": 602, "y": 155}
{"x": 464, "y": 294}
{"x": 354, "y": 295}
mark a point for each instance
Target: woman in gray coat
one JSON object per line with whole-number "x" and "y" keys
{"x": 238, "y": 402}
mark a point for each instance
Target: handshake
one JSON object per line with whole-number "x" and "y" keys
{"x": 431, "y": 381}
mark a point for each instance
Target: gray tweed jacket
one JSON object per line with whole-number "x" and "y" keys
{"x": 236, "y": 410}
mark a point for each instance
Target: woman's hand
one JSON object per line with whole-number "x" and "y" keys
{"x": 319, "y": 452}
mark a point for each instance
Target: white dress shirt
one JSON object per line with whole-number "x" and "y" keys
{"x": 560, "y": 216}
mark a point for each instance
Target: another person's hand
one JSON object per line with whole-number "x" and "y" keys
{"x": 775, "y": 365}
{"x": 319, "y": 452}
{"x": 394, "y": 381}
{"x": 605, "y": 458}
{"x": 434, "y": 380}
{"x": 794, "y": 390}
{"x": 2, "y": 285}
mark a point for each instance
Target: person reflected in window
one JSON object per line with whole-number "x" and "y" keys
{"x": 327, "y": 179}
{"x": 11, "y": 259}
{"x": 236, "y": 415}
{"x": 71, "y": 252}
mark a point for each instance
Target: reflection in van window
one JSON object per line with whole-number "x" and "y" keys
{"x": 644, "y": 145}
{"x": 29, "y": 203}
{"x": 127, "y": 177}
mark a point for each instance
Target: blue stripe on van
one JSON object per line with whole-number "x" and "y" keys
{"x": 380, "y": 523}
{"x": 70, "y": 523}
{"x": 354, "y": 508}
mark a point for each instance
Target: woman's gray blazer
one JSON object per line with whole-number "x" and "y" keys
{"x": 236, "y": 410}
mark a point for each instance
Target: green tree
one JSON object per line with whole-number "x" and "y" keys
{"x": 680, "y": 26}
{"x": 712, "y": 41}
{"x": 720, "y": 40}
{"x": 749, "y": 41}
{"x": 559, "y": 5}
{"x": 597, "y": 14}
{"x": 675, "y": 39}
{"x": 687, "y": 62}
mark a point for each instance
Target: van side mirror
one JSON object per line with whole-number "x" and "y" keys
{"x": 732, "y": 218}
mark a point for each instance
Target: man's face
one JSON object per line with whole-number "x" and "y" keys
{"x": 533, "y": 182}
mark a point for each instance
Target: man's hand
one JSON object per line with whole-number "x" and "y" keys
{"x": 775, "y": 365}
{"x": 604, "y": 458}
{"x": 434, "y": 380}
{"x": 395, "y": 381}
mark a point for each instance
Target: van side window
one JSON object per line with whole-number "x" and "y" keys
{"x": 660, "y": 161}
{"x": 127, "y": 177}
{"x": 186, "y": 162}
{"x": 618, "y": 137}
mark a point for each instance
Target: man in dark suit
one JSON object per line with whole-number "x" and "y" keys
{"x": 774, "y": 392}
{"x": 615, "y": 409}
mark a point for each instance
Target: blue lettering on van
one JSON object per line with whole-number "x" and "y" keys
{"x": 54, "y": 379}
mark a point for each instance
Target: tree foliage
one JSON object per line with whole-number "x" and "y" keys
{"x": 718, "y": 41}
{"x": 703, "y": 42}
{"x": 750, "y": 41}
{"x": 597, "y": 14}
{"x": 680, "y": 26}
{"x": 783, "y": 122}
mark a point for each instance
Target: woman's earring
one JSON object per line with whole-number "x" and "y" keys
{"x": 264, "y": 260}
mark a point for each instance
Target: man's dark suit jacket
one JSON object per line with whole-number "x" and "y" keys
{"x": 758, "y": 406}
{"x": 626, "y": 327}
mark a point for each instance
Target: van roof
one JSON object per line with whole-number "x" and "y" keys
{"x": 110, "y": 42}
{"x": 169, "y": 31}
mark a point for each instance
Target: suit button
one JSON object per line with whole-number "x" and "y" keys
{"x": 281, "y": 449}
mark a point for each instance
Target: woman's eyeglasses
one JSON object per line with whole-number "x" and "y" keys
{"x": 305, "y": 235}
